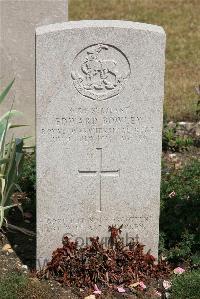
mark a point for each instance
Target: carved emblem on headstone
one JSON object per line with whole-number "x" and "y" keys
{"x": 100, "y": 71}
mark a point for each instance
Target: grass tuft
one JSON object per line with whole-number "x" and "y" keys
{"x": 186, "y": 286}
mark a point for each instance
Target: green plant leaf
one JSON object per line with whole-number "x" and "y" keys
{"x": 11, "y": 157}
{"x": 18, "y": 126}
{"x": 5, "y": 92}
{"x": 10, "y": 114}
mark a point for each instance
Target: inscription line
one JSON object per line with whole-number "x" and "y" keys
{"x": 88, "y": 172}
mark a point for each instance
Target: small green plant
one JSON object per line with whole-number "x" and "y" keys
{"x": 179, "y": 219}
{"x": 171, "y": 141}
{"x": 28, "y": 175}
{"x": 11, "y": 156}
{"x": 186, "y": 285}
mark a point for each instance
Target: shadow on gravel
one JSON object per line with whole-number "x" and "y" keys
{"x": 23, "y": 244}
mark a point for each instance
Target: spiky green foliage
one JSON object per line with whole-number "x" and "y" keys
{"x": 11, "y": 156}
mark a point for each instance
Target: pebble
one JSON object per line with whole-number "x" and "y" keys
{"x": 7, "y": 249}
{"x": 182, "y": 123}
{"x": 18, "y": 264}
{"x": 24, "y": 267}
{"x": 178, "y": 165}
{"x": 10, "y": 250}
{"x": 173, "y": 157}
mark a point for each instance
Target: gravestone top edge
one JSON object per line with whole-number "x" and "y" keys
{"x": 99, "y": 23}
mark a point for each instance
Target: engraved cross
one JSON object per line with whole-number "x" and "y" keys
{"x": 100, "y": 173}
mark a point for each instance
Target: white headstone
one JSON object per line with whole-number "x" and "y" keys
{"x": 99, "y": 105}
{"x": 19, "y": 19}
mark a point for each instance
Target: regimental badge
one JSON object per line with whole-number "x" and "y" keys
{"x": 100, "y": 71}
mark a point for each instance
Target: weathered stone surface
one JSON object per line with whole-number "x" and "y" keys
{"x": 99, "y": 119}
{"x": 17, "y": 50}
